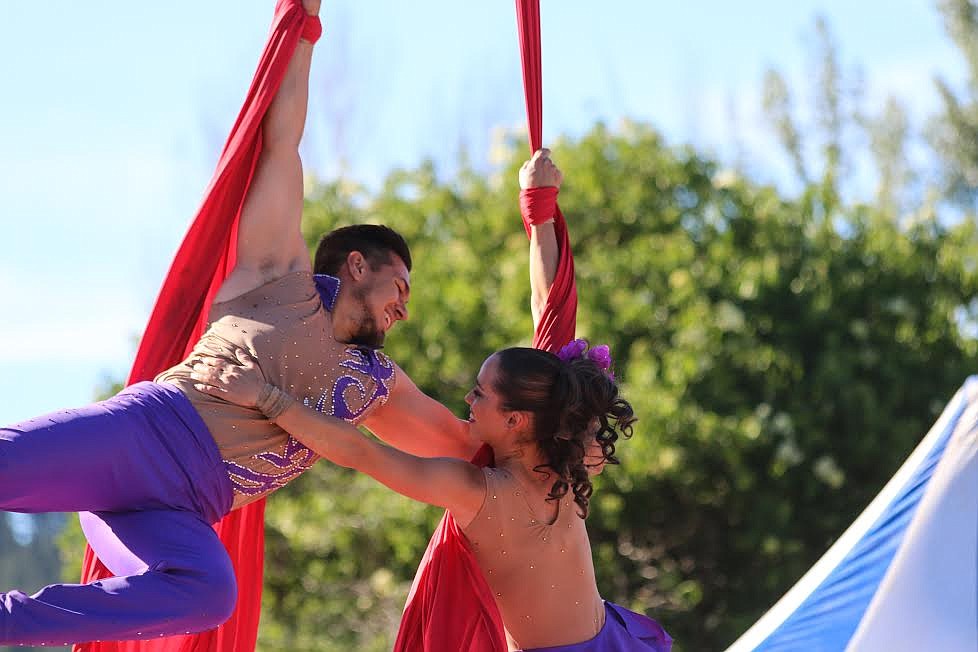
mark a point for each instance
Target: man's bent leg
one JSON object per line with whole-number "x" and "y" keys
{"x": 174, "y": 577}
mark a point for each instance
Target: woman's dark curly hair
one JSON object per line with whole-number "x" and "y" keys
{"x": 566, "y": 400}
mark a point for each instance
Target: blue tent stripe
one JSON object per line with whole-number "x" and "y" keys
{"x": 827, "y": 619}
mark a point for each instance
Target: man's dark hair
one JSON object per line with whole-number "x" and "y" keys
{"x": 377, "y": 243}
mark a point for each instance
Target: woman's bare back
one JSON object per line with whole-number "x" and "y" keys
{"x": 536, "y": 558}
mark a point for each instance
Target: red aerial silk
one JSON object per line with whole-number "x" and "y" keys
{"x": 450, "y": 607}
{"x": 559, "y": 319}
{"x": 204, "y": 260}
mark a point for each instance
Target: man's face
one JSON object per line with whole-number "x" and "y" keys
{"x": 381, "y": 298}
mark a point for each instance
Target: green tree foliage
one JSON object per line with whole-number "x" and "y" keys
{"x": 783, "y": 362}
{"x": 822, "y": 144}
{"x": 954, "y": 134}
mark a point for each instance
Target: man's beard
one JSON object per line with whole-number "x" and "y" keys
{"x": 366, "y": 333}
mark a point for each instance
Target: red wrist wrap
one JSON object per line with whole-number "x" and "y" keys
{"x": 312, "y": 29}
{"x": 538, "y": 205}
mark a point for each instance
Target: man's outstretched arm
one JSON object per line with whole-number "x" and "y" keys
{"x": 270, "y": 243}
{"x": 415, "y": 423}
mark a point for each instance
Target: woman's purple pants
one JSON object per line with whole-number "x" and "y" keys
{"x": 148, "y": 479}
{"x": 623, "y": 631}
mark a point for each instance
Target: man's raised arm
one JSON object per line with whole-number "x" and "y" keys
{"x": 270, "y": 243}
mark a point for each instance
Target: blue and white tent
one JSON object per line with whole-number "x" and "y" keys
{"x": 904, "y": 576}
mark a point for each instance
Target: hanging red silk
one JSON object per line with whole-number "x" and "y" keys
{"x": 202, "y": 262}
{"x": 450, "y": 607}
{"x": 559, "y": 319}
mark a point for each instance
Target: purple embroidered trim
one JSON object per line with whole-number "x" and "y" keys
{"x": 364, "y": 361}
{"x": 296, "y": 457}
{"x": 328, "y": 288}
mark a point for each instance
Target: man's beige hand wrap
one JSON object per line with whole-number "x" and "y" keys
{"x": 272, "y": 401}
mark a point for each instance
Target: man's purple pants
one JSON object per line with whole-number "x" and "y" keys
{"x": 149, "y": 481}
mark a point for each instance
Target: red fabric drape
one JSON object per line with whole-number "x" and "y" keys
{"x": 202, "y": 262}
{"x": 450, "y": 607}
{"x": 559, "y": 319}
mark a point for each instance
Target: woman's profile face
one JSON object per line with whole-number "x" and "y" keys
{"x": 485, "y": 412}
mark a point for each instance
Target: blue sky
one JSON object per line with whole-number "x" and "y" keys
{"x": 113, "y": 114}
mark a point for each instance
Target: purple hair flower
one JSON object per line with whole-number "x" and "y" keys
{"x": 579, "y": 348}
{"x": 572, "y": 350}
{"x": 601, "y": 355}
